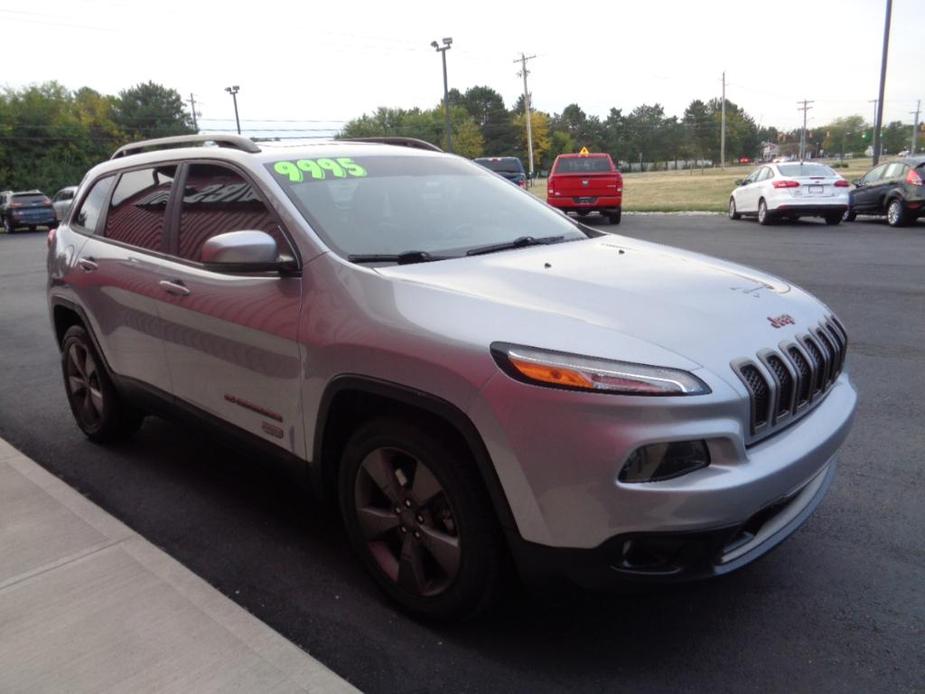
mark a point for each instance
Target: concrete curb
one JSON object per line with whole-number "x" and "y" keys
{"x": 87, "y": 604}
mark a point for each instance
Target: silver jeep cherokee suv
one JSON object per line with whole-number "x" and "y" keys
{"x": 474, "y": 376}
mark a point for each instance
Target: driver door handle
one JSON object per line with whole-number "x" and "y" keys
{"x": 175, "y": 287}
{"x": 87, "y": 264}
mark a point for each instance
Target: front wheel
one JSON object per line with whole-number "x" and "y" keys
{"x": 7, "y": 227}
{"x": 896, "y": 213}
{"x": 764, "y": 217}
{"x": 849, "y": 216}
{"x": 419, "y": 520}
{"x": 615, "y": 217}
{"x": 100, "y": 412}
{"x": 733, "y": 213}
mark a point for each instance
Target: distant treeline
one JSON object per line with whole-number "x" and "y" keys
{"x": 481, "y": 124}
{"x": 50, "y": 136}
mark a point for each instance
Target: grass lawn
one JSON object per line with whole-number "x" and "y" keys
{"x": 679, "y": 191}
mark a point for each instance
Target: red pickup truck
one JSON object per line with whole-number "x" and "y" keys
{"x": 586, "y": 183}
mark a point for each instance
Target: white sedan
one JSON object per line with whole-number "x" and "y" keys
{"x": 791, "y": 190}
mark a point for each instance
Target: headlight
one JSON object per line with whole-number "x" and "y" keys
{"x": 576, "y": 372}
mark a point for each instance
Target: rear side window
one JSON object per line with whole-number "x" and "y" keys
{"x": 90, "y": 209}
{"x": 138, "y": 207}
{"x": 502, "y": 164}
{"x": 583, "y": 165}
{"x": 218, "y": 200}
{"x": 894, "y": 171}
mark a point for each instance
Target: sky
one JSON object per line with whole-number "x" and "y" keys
{"x": 310, "y": 66}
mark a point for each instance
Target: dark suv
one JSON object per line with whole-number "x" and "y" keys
{"x": 510, "y": 168}
{"x": 896, "y": 190}
{"x": 30, "y": 208}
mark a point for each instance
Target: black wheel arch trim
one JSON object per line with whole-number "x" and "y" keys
{"x": 443, "y": 409}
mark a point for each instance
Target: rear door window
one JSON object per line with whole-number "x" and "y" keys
{"x": 137, "y": 211}
{"x": 91, "y": 208}
{"x": 217, "y": 200}
{"x": 874, "y": 175}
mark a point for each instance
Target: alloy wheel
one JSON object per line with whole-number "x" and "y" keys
{"x": 83, "y": 385}
{"x": 762, "y": 212}
{"x": 408, "y": 522}
{"x": 894, "y": 213}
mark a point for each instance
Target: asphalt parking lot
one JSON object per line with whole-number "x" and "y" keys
{"x": 839, "y": 607}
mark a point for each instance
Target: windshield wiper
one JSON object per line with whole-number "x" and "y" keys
{"x": 403, "y": 258}
{"x": 519, "y": 242}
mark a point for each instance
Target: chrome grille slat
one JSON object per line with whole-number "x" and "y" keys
{"x": 784, "y": 384}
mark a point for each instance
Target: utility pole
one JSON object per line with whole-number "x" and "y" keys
{"x": 915, "y": 125}
{"x": 804, "y": 108}
{"x": 722, "y": 133}
{"x": 233, "y": 90}
{"x": 192, "y": 106}
{"x": 447, "y": 42}
{"x": 886, "y": 48}
{"x": 873, "y": 125}
{"x": 524, "y": 72}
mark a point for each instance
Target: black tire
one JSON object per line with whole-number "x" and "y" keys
{"x": 764, "y": 217}
{"x": 896, "y": 215}
{"x": 833, "y": 219}
{"x": 31, "y": 228}
{"x": 99, "y": 410}
{"x": 7, "y": 227}
{"x": 849, "y": 216}
{"x": 615, "y": 217}
{"x": 733, "y": 212}
{"x": 397, "y": 539}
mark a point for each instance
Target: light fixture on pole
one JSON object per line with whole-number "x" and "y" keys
{"x": 447, "y": 42}
{"x": 233, "y": 90}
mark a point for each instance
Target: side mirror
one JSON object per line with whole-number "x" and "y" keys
{"x": 740, "y": 181}
{"x": 857, "y": 182}
{"x": 243, "y": 251}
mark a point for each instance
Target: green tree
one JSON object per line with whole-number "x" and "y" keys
{"x": 150, "y": 110}
{"x": 896, "y": 137}
{"x": 844, "y": 135}
{"x": 486, "y": 108}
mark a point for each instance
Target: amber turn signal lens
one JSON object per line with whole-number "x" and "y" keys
{"x": 552, "y": 374}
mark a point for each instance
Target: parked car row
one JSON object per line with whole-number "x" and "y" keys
{"x": 32, "y": 208}
{"x": 791, "y": 190}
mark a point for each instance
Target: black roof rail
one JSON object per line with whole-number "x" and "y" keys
{"x": 398, "y": 141}
{"x": 234, "y": 141}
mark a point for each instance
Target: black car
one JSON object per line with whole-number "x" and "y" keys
{"x": 30, "y": 208}
{"x": 509, "y": 167}
{"x": 896, "y": 190}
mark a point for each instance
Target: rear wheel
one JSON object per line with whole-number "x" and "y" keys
{"x": 764, "y": 217}
{"x": 7, "y": 227}
{"x": 615, "y": 217}
{"x": 833, "y": 219}
{"x": 896, "y": 213}
{"x": 97, "y": 407}
{"x": 849, "y": 215}
{"x": 419, "y": 520}
{"x": 733, "y": 213}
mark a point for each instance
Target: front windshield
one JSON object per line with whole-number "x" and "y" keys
{"x": 394, "y": 204}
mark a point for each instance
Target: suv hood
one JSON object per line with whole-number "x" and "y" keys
{"x": 705, "y": 310}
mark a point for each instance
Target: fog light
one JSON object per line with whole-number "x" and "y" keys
{"x": 662, "y": 461}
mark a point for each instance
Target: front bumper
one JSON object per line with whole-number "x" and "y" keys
{"x": 666, "y": 557}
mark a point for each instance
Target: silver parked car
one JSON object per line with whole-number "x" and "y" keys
{"x": 474, "y": 376}
{"x": 62, "y": 201}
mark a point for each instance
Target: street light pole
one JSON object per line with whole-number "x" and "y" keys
{"x": 447, "y": 42}
{"x": 886, "y": 47}
{"x": 233, "y": 90}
